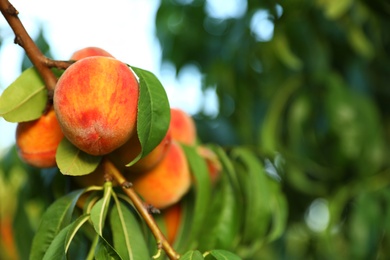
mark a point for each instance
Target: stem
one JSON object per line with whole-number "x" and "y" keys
{"x": 22, "y": 38}
{"x": 142, "y": 209}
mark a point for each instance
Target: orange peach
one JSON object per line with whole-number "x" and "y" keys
{"x": 37, "y": 140}
{"x": 127, "y": 152}
{"x": 214, "y": 166}
{"x": 90, "y": 52}
{"x": 167, "y": 182}
{"x": 96, "y": 101}
{"x": 171, "y": 216}
{"x": 182, "y": 127}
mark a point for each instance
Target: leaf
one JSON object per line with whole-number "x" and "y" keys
{"x": 192, "y": 255}
{"x": 60, "y": 244}
{"x": 73, "y": 161}
{"x": 153, "y": 112}
{"x": 57, "y": 216}
{"x": 224, "y": 255}
{"x": 25, "y": 99}
{"x": 104, "y": 251}
{"x": 99, "y": 210}
{"x": 279, "y": 206}
{"x": 255, "y": 189}
{"x": 127, "y": 234}
{"x": 202, "y": 190}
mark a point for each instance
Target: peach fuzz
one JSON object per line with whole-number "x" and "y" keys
{"x": 96, "y": 101}
{"x": 166, "y": 183}
{"x": 37, "y": 140}
{"x": 182, "y": 127}
{"x": 90, "y": 52}
{"x": 131, "y": 149}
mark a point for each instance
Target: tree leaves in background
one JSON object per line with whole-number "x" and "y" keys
{"x": 153, "y": 112}
{"x": 192, "y": 255}
{"x": 222, "y": 255}
{"x": 25, "y": 99}
{"x": 72, "y": 161}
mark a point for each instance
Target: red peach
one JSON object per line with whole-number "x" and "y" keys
{"x": 182, "y": 127}
{"x": 90, "y": 52}
{"x": 37, "y": 140}
{"x": 96, "y": 101}
{"x": 172, "y": 216}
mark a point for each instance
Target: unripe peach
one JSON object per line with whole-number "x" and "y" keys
{"x": 182, "y": 127}
{"x": 96, "y": 101}
{"x": 127, "y": 152}
{"x": 167, "y": 182}
{"x": 90, "y": 52}
{"x": 37, "y": 140}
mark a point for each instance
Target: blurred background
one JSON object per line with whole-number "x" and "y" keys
{"x": 306, "y": 82}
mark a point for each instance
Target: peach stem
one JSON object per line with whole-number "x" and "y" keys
{"x": 142, "y": 209}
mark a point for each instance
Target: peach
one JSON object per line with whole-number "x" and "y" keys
{"x": 214, "y": 166}
{"x": 182, "y": 127}
{"x": 95, "y": 101}
{"x": 129, "y": 151}
{"x": 167, "y": 182}
{"x": 37, "y": 140}
{"x": 90, "y": 52}
{"x": 171, "y": 217}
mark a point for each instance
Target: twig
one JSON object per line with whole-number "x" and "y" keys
{"x": 143, "y": 209}
{"x": 22, "y": 38}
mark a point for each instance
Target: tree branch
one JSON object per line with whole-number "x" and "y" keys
{"x": 143, "y": 209}
{"x": 23, "y": 39}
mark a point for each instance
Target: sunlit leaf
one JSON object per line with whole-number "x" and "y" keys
{"x": 223, "y": 255}
{"x": 153, "y": 112}
{"x": 192, "y": 255}
{"x": 72, "y": 161}
{"x": 57, "y": 216}
{"x": 129, "y": 241}
{"x": 25, "y": 99}
{"x": 100, "y": 209}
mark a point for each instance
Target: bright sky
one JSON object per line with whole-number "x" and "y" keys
{"x": 125, "y": 29}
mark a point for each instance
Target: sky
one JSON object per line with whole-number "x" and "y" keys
{"x": 124, "y": 29}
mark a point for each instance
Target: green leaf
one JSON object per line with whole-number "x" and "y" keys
{"x": 73, "y": 161}
{"x": 57, "y": 216}
{"x": 25, "y": 99}
{"x": 153, "y": 112}
{"x": 254, "y": 180}
{"x": 127, "y": 234}
{"x": 59, "y": 247}
{"x": 192, "y": 255}
{"x": 100, "y": 209}
{"x": 279, "y": 206}
{"x": 202, "y": 190}
{"x": 224, "y": 255}
{"x": 105, "y": 251}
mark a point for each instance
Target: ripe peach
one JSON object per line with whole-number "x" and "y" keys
{"x": 171, "y": 216}
{"x": 96, "y": 102}
{"x": 167, "y": 182}
{"x": 37, "y": 140}
{"x": 182, "y": 127}
{"x": 213, "y": 164}
{"x": 90, "y": 52}
{"x": 127, "y": 152}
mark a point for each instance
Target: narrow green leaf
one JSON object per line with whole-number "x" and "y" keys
{"x": 202, "y": 189}
{"x": 255, "y": 189}
{"x": 279, "y": 216}
{"x": 153, "y": 112}
{"x": 127, "y": 234}
{"x": 192, "y": 255}
{"x": 59, "y": 247}
{"x": 100, "y": 209}
{"x": 105, "y": 251}
{"x": 224, "y": 255}
{"x": 25, "y": 99}
{"x": 72, "y": 161}
{"x": 57, "y": 216}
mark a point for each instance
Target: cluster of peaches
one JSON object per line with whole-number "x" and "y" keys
{"x": 95, "y": 106}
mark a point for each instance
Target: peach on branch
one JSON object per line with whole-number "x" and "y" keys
{"x": 90, "y": 52}
{"x": 37, "y": 140}
{"x": 167, "y": 182}
{"x": 131, "y": 149}
{"x": 172, "y": 216}
{"x": 96, "y": 101}
{"x": 182, "y": 127}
